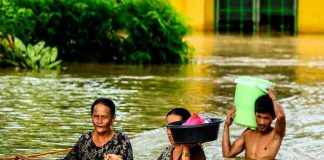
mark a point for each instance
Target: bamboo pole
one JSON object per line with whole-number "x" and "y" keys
{"x": 22, "y": 157}
{"x": 51, "y": 152}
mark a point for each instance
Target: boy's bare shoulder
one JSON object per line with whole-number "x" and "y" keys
{"x": 249, "y": 132}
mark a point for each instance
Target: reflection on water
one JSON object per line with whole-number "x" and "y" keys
{"x": 49, "y": 111}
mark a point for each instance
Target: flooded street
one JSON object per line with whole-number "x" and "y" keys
{"x": 43, "y": 112}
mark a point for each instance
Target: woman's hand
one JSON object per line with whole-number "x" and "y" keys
{"x": 112, "y": 157}
{"x": 230, "y": 117}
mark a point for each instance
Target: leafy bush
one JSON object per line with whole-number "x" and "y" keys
{"x": 16, "y": 20}
{"x": 132, "y": 31}
{"x": 4, "y": 49}
{"x": 155, "y": 32}
{"x": 35, "y": 57}
{"x": 82, "y": 30}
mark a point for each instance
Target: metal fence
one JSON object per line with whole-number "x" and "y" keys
{"x": 256, "y": 16}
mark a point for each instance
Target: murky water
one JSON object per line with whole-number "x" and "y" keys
{"x": 48, "y": 111}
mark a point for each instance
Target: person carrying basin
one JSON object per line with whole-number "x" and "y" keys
{"x": 180, "y": 151}
{"x": 264, "y": 141}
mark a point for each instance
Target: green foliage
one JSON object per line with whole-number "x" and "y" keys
{"x": 4, "y": 47}
{"x": 81, "y": 30}
{"x": 155, "y": 32}
{"x": 1, "y": 54}
{"x": 133, "y": 31}
{"x": 16, "y": 20}
{"x": 2, "y": 51}
{"x": 35, "y": 57}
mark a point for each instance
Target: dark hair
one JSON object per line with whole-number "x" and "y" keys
{"x": 183, "y": 113}
{"x": 105, "y": 101}
{"x": 264, "y": 105}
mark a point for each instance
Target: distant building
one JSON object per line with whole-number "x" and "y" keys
{"x": 290, "y": 16}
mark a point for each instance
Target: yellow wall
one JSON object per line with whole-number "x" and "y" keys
{"x": 209, "y": 15}
{"x": 310, "y": 16}
{"x": 200, "y": 13}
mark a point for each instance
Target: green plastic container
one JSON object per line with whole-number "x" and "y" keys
{"x": 248, "y": 89}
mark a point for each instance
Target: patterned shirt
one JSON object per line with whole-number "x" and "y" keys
{"x": 85, "y": 148}
{"x": 196, "y": 153}
{"x": 167, "y": 153}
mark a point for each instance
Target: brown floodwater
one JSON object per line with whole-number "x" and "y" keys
{"x": 48, "y": 111}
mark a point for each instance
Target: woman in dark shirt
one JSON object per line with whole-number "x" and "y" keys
{"x": 102, "y": 142}
{"x": 180, "y": 151}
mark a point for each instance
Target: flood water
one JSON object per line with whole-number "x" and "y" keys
{"x": 42, "y": 112}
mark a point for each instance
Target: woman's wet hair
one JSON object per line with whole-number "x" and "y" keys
{"x": 105, "y": 101}
{"x": 183, "y": 113}
{"x": 264, "y": 105}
